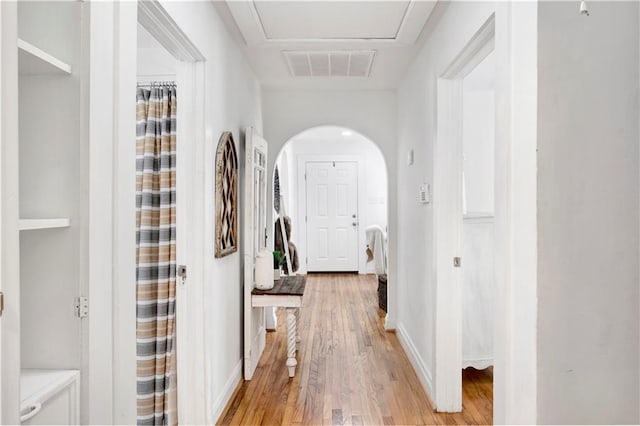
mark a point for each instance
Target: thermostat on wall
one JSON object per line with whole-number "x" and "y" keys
{"x": 424, "y": 196}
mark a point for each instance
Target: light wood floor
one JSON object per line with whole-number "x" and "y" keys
{"x": 350, "y": 370}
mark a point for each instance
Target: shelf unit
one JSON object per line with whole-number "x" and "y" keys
{"x": 52, "y": 176}
{"x": 35, "y": 224}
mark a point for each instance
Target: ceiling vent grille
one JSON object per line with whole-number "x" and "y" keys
{"x": 344, "y": 63}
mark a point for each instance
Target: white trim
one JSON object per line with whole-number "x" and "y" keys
{"x": 253, "y": 346}
{"x": 190, "y": 216}
{"x": 301, "y": 161}
{"x": 448, "y": 244}
{"x": 9, "y": 200}
{"x": 249, "y": 24}
{"x": 481, "y": 45}
{"x": 157, "y": 21}
{"x": 515, "y": 343}
{"x": 227, "y": 391}
{"x": 515, "y": 358}
{"x": 191, "y": 359}
{"x": 448, "y": 216}
{"x": 97, "y": 382}
{"x": 124, "y": 267}
{"x": 418, "y": 364}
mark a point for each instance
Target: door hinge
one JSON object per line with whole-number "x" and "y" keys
{"x": 182, "y": 274}
{"x": 1, "y": 303}
{"x": 82, "y": 306}
{"x": 305, "y": 218}
{"x": 457, "y": 262}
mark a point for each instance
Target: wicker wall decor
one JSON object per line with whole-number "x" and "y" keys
{"x": 226, "y": 238}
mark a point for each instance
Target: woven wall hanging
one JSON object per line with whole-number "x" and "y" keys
{"x": 226, "y": 238}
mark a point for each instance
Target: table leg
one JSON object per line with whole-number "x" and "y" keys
{"x": 298, "y": 339}
{"x": 291, "y": 341}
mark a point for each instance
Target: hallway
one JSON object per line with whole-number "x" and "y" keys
{"x": 351, "y": 371}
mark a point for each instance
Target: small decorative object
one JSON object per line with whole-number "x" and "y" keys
{"x": 263, "y": 274}
{"x": 226, "y": 238}
{"x": 277, "y": 263}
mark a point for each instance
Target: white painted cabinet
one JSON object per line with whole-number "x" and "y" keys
{"x": 49, "y": 164}
{"x": 49, "y": 397}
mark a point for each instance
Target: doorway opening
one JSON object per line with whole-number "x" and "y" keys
{"x": 333, "y": 186}
{"x": 465, "y": 178}
{"x": 478, "y": 292}
{"x": 165, "y": 64}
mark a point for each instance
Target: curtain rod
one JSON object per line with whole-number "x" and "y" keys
{"x": 153, "y": 84}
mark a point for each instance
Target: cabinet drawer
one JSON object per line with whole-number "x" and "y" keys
{"x": 55, "y": 411}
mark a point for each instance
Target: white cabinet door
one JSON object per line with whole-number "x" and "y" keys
{"x": 255, "y": 228}
{"x": 332, "y": 216}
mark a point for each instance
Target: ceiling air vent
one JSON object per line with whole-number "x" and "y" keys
{"x": 343, "y": 63}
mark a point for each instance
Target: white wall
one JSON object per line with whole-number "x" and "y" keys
{"x": 417, "y": 131}
{"x": 453, "y": 25}
{"x": 588, "y": 213}
{"x": 232, "y": 102}
{"x": 154, "y": 62}
{"x": 370, "y": 113}
{"x": 478, "y": 137}
{"x": 372, "y": 192}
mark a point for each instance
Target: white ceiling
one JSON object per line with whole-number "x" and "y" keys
{"x": 331, "y": 20}
{"x": 268, "y": 29}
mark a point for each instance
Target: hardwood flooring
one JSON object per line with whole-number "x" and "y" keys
{"x": 350, "y": 370}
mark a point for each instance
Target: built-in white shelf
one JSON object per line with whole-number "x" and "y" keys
{"x": 37, "y": 383}
{"x": 33, "y": 224}
{"x": 35, "y": 61}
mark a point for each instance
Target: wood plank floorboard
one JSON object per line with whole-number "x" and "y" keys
{"x": 350, "y": 370}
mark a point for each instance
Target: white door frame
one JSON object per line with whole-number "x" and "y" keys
{"x": 9, "y": 201}
{"x": 513, "y": 32}
{"x": 448, "y": 220}
{"x": 302, "y": 161}
{"x": 190, "y": 182}
{"x": 254, "y": 344}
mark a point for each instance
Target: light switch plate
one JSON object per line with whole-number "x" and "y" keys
{"x": 424, "y": 194}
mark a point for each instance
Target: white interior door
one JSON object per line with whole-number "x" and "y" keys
{"x": 332, "y": 216}
{"x": 255, "y": 239}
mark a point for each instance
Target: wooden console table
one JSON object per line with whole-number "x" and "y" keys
{"x": 286, "y": 293}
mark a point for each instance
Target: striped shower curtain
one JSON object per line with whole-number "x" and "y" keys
{"x": 156, "y": 255}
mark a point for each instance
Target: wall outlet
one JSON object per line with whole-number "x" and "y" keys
{"x": 424, "y": 195}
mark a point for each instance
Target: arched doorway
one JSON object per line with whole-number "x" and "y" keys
{"x": 334, "y": 171}
{"x": 334, "y": 145}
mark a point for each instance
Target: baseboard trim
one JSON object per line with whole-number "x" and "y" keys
{"x": 389, "y": 323}
{"x": 416, "y": 360}
{"x": 230, "y": 388}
